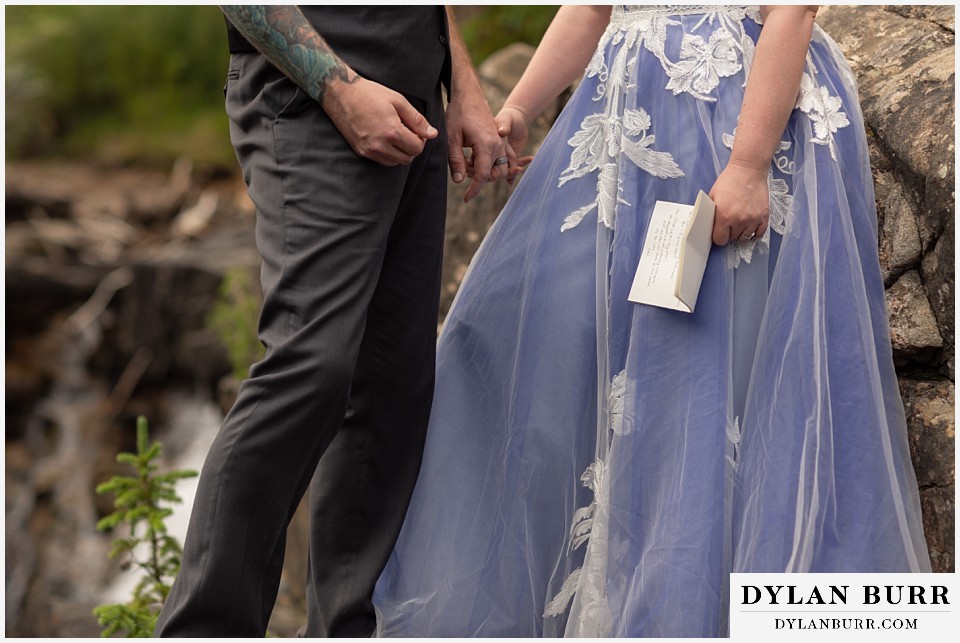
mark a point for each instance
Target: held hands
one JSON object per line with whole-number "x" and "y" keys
{"x": 742, "y": 204}
{"x": 470, "y": 124}
{"x": 512, "y": 128}
{"x": 378, "y": 123}
{"x": 381, "y": 125}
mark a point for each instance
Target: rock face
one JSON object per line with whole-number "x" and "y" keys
{"x": 913, "y": 327}
{"x": 903, "y": 58}
{"x": 930, "y": 418}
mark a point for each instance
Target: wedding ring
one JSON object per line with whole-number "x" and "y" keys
{"x": 501, "y": 161}
{"x": 750, "y": 238}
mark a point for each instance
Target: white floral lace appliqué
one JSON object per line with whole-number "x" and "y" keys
{"x": 703, "y": 60}
{"x": 734, "y": 436}
{"x": 598, "y": 144}
{"x": 580, "y": 532}
{"x": 823, "y": 110}
{"x": 587, "y": 582}
{"x": 617, "y": 390}
{"x": 602, "y": 137}
{"x": 590, "y": 525}
{"x": 703, "y": 64}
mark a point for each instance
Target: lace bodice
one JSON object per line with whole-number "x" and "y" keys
{"x": 711, "y": 44}
{"x": 646, "y": 11}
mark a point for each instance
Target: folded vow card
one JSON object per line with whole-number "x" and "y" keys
{"x": 674, "y": 255}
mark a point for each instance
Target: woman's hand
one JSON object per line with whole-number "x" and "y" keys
{"x": 512, "y": 123}
{"x": 742, "y": 204}
{"x": 740, "y": 192}
{"x": 512, "y": 128}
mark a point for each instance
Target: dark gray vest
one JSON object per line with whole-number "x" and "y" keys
{"x": 405, "y": 48}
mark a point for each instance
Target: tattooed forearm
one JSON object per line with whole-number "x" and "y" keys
{"x": 285, "y": 37}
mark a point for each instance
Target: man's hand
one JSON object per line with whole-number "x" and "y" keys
{"x": 470, "y": 124}
{"x": 512, "y": 128}
{"x": 377, "y": 122}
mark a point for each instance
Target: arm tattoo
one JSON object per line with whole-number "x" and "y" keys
{"x": 285, "y": 37}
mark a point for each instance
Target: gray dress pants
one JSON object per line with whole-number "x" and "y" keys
{"x": 351, "y": 271}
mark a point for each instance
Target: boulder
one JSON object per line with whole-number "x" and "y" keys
{"x": 900, "y": 246}
{"x": 903, "y": 59}
{"x": 905, "y": 68}
{"x": 938, "y": 271}
{"x": 942, "y": 15}
{"x": 913, "y": 328}
{"x": 931, "y": 424}
{"x": 165, "y": 309}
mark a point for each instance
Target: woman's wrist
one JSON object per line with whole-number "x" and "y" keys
{"x": 524, "y": 115}
{"x": 756, "y": 168}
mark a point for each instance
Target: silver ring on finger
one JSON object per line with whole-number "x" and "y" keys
{"x": 501, "y": 161}
{"x": 748, "y": 238}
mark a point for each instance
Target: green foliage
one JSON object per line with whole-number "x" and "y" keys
{"x": 117, "y": 82}
{"x": 120, "y": 83}
{"x": 491, "y": 28}
{"x": 138, "y": 506}
{"x": 234, "y": 318}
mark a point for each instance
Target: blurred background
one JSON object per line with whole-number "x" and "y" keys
{"x": 132, "y": 279}
{"x": 142, "y": 83}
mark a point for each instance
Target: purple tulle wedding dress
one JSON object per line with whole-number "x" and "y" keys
{"x": 596, "y": 467}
